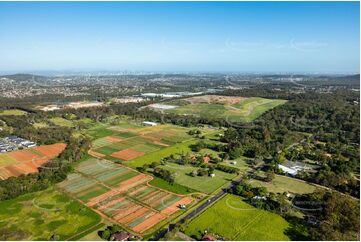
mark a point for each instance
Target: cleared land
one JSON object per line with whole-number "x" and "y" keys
{"x": 121, "y": 194}
{"x": 282, "y": 184}
{"x": 233, "y": 109}
{"x": 205, "y": 184}
{"x": 62, "y": 122}
{"x": 15, "y": 112}
{"x": 27, "y": 161}
{"x": 40, "y": 215}
{"x": 234, "y": 219}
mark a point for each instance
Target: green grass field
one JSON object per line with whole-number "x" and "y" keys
{"x": 160, "y": 154}
{"x": 204, "y": 184}
{"x": 40, "y": 125}
{"x": 245, "y": 111}
{"x": 15, "y": 112}
{"x": 234, "y": 219}
{"x": 176, "y": 188}
{"x": 251, "y": 108}
{"x": 40, "y": 215}
{"x": 282, "y": 184}
{"x": 62, "y": 122}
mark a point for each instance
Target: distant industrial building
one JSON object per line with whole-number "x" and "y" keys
{"x": 12, "y": 142}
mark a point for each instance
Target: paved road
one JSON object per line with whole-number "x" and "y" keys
{"x": 208, "y": 203}
{"x": 215, "y": 198}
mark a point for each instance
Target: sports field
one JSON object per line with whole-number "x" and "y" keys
{"x": 41, "y": 215}
{"x": 26, "y": 161}
{"x": 121, "y": 194}
{"x": 126, "y": 142}
{"x": 233, "y": 109}
{"x": 15, "y": 112}
{"x": 234, "y": 219}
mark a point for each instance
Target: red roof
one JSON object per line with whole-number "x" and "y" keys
{"x": 208, "y": 238}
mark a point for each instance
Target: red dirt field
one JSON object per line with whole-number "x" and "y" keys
{"x": 174, "y": 207}
{"x": 148, "y": 223}
{"x": 51, "y": 150}
{"x": 29, "y": 160}
{"x": 127, "y": 154}
{"x": 23, "y": 155}
{"x": 114, "y": 139}
{"x": 124, "y": 186}
{"x": 133, "y": 216}
{"x": 96, "y": 154}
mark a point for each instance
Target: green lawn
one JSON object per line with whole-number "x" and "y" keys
{"x": 234, "y": 219}
{"x": 204, "y": 184}
{"x": 38, "y": 216}
{"x": 15, "y": 112}
{"x": 176, "y": 188}
{"x": 285, "y": 184}
{"x": 62, "y": 122}
{"x": 241, "y": 163}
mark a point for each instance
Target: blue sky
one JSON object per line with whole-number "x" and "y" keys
{"x": 317, "y": 37}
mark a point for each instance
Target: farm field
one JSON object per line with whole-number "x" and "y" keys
{"x": 233, "y": 109}
{"x": 15, "y": 112}
{"x": 41, "y": 215}
{"x": 203, "y": 184}
{"x": 165, "y": 152}
{"x": 282, "y": 184}
{"x": 126, "y": 142}
{"x": 234, "y": 219}
{"x": 122, "y": 195}
{"x": 26, "y": 161}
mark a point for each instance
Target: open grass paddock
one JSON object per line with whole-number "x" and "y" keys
{"x": 205, "y": 184}
{"x": 14, "y": 112}
{"x": 234, "y": 219}
{"x": 40, "y": 215}
{"x": 233, "y": 109}
{"x": 62, "y": 122}
{"x": 281, "y": 184}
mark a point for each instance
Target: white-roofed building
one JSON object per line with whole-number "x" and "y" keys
{"x": 288, "y": 170}
{"x": 147, "y": 123}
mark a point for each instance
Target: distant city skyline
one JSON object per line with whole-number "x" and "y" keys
{"x": 243, "y": 37}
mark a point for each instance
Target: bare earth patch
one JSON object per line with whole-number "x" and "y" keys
{"x": 127, "y": 154}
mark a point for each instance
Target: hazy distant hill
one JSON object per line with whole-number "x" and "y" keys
{"x": 24, "y": 77}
